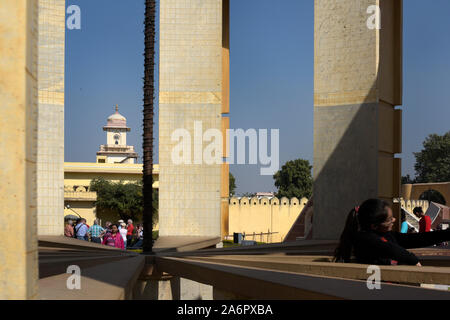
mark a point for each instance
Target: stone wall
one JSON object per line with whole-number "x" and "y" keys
{"x": 357, "y": 128}
{"x": 191, "y": 80}
{"x": 414, "y": 191}
{"x": 18, "y": 96}
{"x": 409, "y": 205}
{"x": 50, "y": 156}
{"x": 264, "y": 216}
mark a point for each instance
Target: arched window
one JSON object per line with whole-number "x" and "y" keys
{"x": 433, "y": 196}
{"x": 117, "y": 138}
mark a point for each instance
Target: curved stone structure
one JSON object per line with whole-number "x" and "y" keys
{"x": 414, "y": 191}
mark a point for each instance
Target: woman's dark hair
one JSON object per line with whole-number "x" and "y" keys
{"x": 371, "y": 213}
{"x": 403, "y": 215}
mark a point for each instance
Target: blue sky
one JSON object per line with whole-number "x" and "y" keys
{"x": 271, "y": 76}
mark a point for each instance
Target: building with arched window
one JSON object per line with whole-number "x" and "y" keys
{"x": 116, "y": 162}
{"x": 116, "y": 149}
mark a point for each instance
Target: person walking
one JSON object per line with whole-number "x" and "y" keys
{"x": 424, "y": 222}
{"x": 130, "y": 229}
{"x": 96, "y": 232}
{"x": 138, "y": 236}
{"x": 123, "y": 232}
{"x": 114, "y": 239}
{"x": 68, "y": 229}
{"x": 81, "y": 230}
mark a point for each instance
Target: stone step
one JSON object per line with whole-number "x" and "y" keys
{"x": 109, "y": 281}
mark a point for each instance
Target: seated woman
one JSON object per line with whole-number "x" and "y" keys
{"x": 369, "y": 237}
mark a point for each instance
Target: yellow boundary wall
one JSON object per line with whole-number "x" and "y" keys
{"x": 264, "y": 215}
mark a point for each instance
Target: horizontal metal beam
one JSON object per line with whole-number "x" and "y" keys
{"x": 316, "y": 247}
{"x": 257, "y": 283}
{"x": 397, "y": 274}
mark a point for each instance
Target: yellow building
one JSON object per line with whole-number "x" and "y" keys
{"x": 78, "y": 176}
{"x": 115, "y": 163}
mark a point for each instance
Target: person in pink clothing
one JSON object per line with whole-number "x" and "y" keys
{"x": 114, "y": 239}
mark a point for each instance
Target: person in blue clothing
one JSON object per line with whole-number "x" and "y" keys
{"x": 96, "y": 232}
{"x": 404, "y": 226}
{"x": 81, "y": 230}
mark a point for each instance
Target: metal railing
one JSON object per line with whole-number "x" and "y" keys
{"x": 254, "y": 236}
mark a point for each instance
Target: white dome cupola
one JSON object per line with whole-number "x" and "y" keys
{"x": 117, "y": 120}
{"x": 116, "y": 149}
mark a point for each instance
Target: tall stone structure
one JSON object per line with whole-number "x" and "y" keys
{"x": 18, "y": 96}
{"x": 194, "y": 77}
{"x": 116, "y": 149}
{"x": 50, "y": 131}
{"x": 357, "y": 128}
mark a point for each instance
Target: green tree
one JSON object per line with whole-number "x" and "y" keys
{"x": 248, "y": 195}
{"x": 407, "y": 179}
{"x": 232, "y": 185}
{"x": 123, "y": 199}
{"x": 294, "y": 179}
{"x": 433, "y": 162}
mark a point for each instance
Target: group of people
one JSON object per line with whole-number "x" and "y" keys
{"x": 368, "y": 236}
{"x": 121, "y": 235}
{"x": 424, "y": 221}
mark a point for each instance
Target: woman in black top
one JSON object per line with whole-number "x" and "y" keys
{"x": 369, "y": 237}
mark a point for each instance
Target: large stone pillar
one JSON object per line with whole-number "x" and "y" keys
{"x": 357, "y": 130}
{"x": 225, "y": 189}
{"x": 50, "y": 154}
{"x": 18, "y": 96}
{"x": 406, "y": 191}
{"x": 191, "y": 96}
